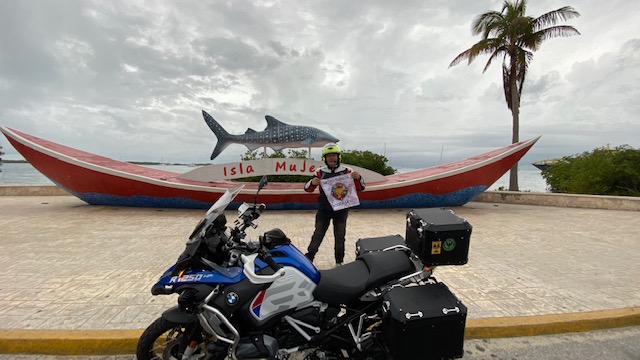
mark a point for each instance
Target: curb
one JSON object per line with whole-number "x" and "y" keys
{"x": 69, "y": 342}
{"x": 119, "y": 342}
{"x": 551, "y": 324}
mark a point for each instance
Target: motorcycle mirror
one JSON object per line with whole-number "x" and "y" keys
{"x": 263, "y": 182}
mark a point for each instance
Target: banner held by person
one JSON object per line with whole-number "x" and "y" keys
{"x": 341, "y": 192}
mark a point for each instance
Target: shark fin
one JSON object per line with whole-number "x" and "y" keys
{"x": 250, "y": 131}
{"x": 252, "y": 146}
{"x": 221, "y": 145}
{"x": 273, "y": 122}
{"x": 276, "y": 147}
{"x": 217, "y": 129}
{"x": 221, "y": 134}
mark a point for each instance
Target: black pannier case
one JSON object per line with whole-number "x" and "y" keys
{"x": 366, "y": 245}
{"x": 424, "y": 322}
{"x": 438, "y": 236}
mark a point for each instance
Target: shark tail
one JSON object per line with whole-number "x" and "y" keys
{"x": 221, "y": 134}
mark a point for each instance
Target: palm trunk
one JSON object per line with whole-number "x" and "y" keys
{"x": 513, "y": 173}
{"x": 515, "y": 115}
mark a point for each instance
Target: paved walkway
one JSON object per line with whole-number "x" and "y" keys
{"x": 68, "y": 265}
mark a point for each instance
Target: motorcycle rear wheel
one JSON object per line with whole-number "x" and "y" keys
{"x": 160, "y": 341}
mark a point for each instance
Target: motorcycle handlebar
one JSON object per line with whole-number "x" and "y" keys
{"x": 265, "y": 256}
{"x": 250, "y": 212}
{"x": 249, "y": 271}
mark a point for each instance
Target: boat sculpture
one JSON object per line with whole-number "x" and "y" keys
{"x": 99, "y": 180}
{"x": 545, "y": 164}
{"x": 1, "y": 153}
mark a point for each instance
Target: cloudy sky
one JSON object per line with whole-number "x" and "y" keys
{"x": 128, "y": 79}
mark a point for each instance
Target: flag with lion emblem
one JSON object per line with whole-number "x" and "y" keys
{"x": 340, "y": 191}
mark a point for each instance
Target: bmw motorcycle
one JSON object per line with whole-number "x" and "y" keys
{"x": 240, "y": 299}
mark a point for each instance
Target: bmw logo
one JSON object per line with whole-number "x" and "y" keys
{"x": 232, "y": 298}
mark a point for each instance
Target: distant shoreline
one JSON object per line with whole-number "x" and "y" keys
{"x": 7, "y": 161}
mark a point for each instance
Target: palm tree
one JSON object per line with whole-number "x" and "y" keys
{"x": 512, "y": 35}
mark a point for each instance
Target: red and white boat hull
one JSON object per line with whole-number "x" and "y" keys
{"x": 103, "y": 181}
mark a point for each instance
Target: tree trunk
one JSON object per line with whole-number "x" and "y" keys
{"x": 513, "y": 173}
{"x": 515, "y": 115}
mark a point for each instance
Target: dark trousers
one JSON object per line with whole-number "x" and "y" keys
{"x": 323, "y": 217}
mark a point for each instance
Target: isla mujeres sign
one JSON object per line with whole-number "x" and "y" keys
{"x": 286, "y": 166}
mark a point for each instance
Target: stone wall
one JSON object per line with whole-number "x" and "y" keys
{"x": 561, "y": 200}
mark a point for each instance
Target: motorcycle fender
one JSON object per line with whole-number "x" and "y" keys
{"x": 177, "y": 316}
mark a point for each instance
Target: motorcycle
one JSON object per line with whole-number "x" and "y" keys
{"x": 242, "y": 299}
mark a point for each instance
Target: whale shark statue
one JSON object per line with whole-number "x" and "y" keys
{"x": 277, "y": 136}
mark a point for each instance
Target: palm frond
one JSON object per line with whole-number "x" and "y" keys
{"x": 522, "y": 59}
{"x": 501, "y": 51}
{"x": 485, "y": 46}
{"x": 553, "y": 17}
{"x": 552, "y": 32}
{"x": 514, "y": 9}
{"x": 483, "y": 23}
{"x": 506, "y": 80}
{"x": 515, "y": 36}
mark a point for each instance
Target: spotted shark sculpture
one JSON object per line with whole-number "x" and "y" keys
{"x": 277, "y": 136}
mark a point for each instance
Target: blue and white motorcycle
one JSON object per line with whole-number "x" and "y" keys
{"x": 265, "y": 300}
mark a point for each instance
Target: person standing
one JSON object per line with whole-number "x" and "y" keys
{"x": 331, "y": 156}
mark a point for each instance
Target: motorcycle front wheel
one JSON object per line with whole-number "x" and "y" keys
{"x": 161, "y": 341}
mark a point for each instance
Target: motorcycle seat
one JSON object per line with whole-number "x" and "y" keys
{"x": 342, "y": 284}
{"x": 350, "y": 281}
{"x": 385, "y": 266}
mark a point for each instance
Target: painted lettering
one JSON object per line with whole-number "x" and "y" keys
{"x": 185, "y": 278}
{"x": 251, "y": 168}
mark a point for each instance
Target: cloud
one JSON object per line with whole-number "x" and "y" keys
{"x": 128, "y": 80}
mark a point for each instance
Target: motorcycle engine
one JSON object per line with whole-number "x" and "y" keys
{"x": 257, "y": 346}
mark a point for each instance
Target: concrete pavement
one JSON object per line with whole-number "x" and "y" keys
{"x": 76, "y": 278}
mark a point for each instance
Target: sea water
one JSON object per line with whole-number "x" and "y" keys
{"x": 529, "y": 178}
